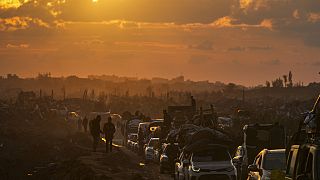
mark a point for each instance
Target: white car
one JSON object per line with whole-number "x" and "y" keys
{"x": 265, "y": 162}
{"x": 132, "y": 138}
{"x": 73, "y": 118}
{"x": 150, "y": 147}
{"x": 213, "y": 162}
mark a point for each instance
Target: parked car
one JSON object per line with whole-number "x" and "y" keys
{"x": 303, "y": 162}
{"x": 135, "y": 147}
{"x": 181, "y": 165}
{"x": 257, "y": 137}
{"x": 267, "y": 162}
{"x": 157, "y": 154}
{"x": 132, "y": 138}
{"x": 150, "y": 149}
{"x": 72, "y": 118}
{"x": 170, "y": 152}
{"x": 212, "y": 162}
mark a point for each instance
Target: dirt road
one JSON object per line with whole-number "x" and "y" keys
{"x": 119, "y": 164}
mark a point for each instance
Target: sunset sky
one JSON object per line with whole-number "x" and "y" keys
{"x": 241, "y": 41}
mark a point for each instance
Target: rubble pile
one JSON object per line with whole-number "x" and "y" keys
{"x": 29, "y": 142}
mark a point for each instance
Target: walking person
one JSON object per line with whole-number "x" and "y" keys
{"x": 85, "y": 124}
{"x": 109, "y": 130}
{"x": 95, "y": 131}
{"x": 79, "y": 124}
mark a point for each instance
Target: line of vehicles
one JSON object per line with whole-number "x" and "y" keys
{"x": 300, "y": 160}
{"x": 193, "y": 146}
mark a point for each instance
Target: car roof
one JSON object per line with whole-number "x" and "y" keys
{"x": 271, "y": 151}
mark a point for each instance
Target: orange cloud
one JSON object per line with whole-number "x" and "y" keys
{"x": 5, "y": 4}
{"x": 229, "y": 22}
{"x": 19, "y": 23}
{"x": 152, "y": 44}
{"x": 267, "y": 23}
{"x": 17, "y": 46}
{"x": 223, "y": 22}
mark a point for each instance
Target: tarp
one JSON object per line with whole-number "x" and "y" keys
{"x": 203, "y": 145}
{"x": 206, "y": 136}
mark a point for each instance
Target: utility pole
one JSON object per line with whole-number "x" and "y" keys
{"x": 243, "y": 98}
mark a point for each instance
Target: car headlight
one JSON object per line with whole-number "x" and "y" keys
{"x": 164, "y": 158}
{"x": 195, "y": 169}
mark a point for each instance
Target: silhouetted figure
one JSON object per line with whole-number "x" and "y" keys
{"x": 95, "y": 131}
{"x": 79, "y": 124}
{"x": 193, "y": 103}
{"x": 109, "y": 130}
{"x": 166, "y": 118}
{"x": 85, "y": 124}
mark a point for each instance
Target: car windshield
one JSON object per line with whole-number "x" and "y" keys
{"x": 275, "y": 161}
{"x": 211, "y": 155}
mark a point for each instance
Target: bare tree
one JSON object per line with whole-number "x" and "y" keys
{"x": 290, "y": 80}
{"x": 285, "y": 79}
{"x": 268, "y": 84}
{"x": 278, "y": 83}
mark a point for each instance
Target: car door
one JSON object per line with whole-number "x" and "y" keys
{"x": 309, "y": 169}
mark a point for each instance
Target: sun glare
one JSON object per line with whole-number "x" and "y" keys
{"x": 95, "y": 1}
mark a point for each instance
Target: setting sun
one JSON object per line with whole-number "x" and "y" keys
{"x": 95, "y": 1}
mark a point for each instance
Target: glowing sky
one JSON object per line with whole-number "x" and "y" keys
{"x": 242, "y": 41}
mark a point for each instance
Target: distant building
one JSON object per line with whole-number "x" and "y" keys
{"x": 157, "y": 80}
{"x": 179, "y": 79}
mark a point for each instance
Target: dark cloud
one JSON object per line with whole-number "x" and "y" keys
{"x": 312, "y": 39}
{"x": 34, "y": 9}
{"x": 253, "y": 48}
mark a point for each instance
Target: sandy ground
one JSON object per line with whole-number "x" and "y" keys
{"x": 119, "y": 164}
{"x": 52, "y": 150}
